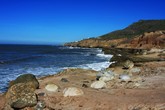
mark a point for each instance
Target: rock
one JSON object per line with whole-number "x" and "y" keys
{"x": 40, "y": 105}
{"x": 128, "y": 64}
{"x": 51, "y": 87}
{"x": 21, "y": 95}
{"x": 135, "y": 70}
{"x": 7, "y": 107}
{"x": 95, "y": 43}
{"x": 125, "y": 77}
{"x": 41, "y": 94}
{"x": 137, "y": 79}
{"x": 144, "y": 53}
{"x": 107, "y": 76}
{"x": 137, "y": 84}
{"x": 84, "y": 85}
{"x": 64, "y": 80}
{"x": 98, "y": 84}
{"x": 25, "y": 78}
{"x": 72, "y": 91}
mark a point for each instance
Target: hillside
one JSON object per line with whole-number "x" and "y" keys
{"x": 143, "y": 34}
{"x": 135, "y": 29}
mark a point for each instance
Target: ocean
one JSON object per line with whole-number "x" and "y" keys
{"x": 42, "y": 60}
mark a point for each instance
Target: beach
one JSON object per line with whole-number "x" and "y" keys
{"x": 144, "y": 91}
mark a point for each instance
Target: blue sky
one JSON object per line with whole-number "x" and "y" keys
{"x": 59, "y": 21}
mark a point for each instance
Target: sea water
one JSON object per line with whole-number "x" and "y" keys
{"x": 42, "y": 60}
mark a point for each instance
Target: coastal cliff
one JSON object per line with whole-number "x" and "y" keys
{"x": 144, "y": 34}
{"x": 95, "y": 43}
{"x": 144, "y": 41}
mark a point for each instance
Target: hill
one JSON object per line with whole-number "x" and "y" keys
{"x": 135, "y": 29}
{"x": 141, "y": 34}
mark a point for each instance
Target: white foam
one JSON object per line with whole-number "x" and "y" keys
{"x": 99, "y": 50}
{"x": 69, "y": 47}
{"x": 40, "y": 71}
{"x": 43, "y": 71}
{"x": 96, "y": 66}
{"x": 76, "y": 48}
{"x": 104, "y": 55}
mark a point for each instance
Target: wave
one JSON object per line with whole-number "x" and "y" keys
{"x": 47, "y": 64}
{"x": 70, "y": 47}
{"x": 102, "y": 55}
{"x": 42, "y": 71}
{"x": 95, "y": 66}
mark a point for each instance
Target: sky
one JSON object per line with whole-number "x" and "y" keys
{"x": 60, "y": 21}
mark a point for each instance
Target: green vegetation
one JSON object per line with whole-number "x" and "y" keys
{"x": 136, "y": 29}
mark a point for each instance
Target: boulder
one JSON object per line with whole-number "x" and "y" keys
{"x": 98, "y": 84}
{"x": 21, "y": 95}
{"x": 51, "y": 87}
{"x": 25, "y": 78}
{"x": 128, "y": 64}
{"x": 72, "y": 91}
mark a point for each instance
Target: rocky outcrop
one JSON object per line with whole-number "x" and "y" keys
{"x": 96, "y": 43}
{"x": 146, "y": 41}
{"x": 21, "y": 95}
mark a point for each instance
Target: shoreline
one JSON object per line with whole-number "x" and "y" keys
{"x": 147, "y": 79}
{"x": 90, "y": 66}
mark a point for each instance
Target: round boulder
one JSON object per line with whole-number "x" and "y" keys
{"x": 98, "y": 84}
{"x": 25, "y": 78}
{"x": 51, "y": 87}
{"x": 72, "y": 91}
{"x": 21, "y": 95}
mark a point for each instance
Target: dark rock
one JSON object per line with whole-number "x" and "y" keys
{"x": 64, "y": 80}
{"x": 84, "y": 85}
{"x": 25, "y": 78}
{"x": 40, "y": 105}
{"x": 21, "y": 95}
{"x": 41, "y": 94}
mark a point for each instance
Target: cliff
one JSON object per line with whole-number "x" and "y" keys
{"x": 143, "y": 34}
{"x": 95, "y": 43}
{"x": 146, "y": 41}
